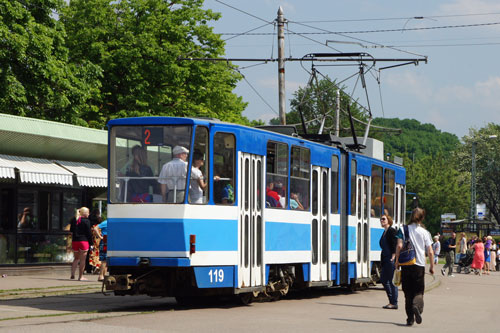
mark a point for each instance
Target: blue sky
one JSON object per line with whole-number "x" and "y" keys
{"x": 458, "y": 89}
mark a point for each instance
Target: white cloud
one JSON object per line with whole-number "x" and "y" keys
{"x": 470, "y": 7}
{"x": 489, "y": 88}
{"x": 410, "y": 83}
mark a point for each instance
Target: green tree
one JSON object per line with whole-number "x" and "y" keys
{"x": 138, "y": 43}
{"x": 440, "y": 186}
{"x": 36, "y": 79}
{"x": 319, "y": 100}
{"x": 487, "y": 154}
{"x": 416, "y": 139}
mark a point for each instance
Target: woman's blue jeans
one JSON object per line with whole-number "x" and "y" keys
{"x": 386, "y": 280}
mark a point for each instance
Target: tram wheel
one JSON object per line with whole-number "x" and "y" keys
{"x": 245, "y": 298}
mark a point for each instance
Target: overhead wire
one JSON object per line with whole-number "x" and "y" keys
{"x": 246, "y": 32}
{"x": 313, "y": 40}
{"x": 255, "y": 90}
{"x": 398, "y": 18}
{"x": 359, "y": 39}
{"x": 242, "y": 11}
{"x": 327, "y": 32}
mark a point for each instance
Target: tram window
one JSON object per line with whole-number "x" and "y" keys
{"x": 315, "y": 193}
{"x": 359, "y": 199}
{"x": 259, "y": 241}
{"x": 353, "y": 187}
{"x": 365, "y": 200}
{"x": 300, "y": 176}
{"x": 315, "y": 241}
{"x": 246, "y": 177}
{"x": 403, "y": 206}
{"x": 198, "y": 184}
{"x": 138, "y": 155}
{"x": 224, "y": 168}
{"x": 335, "y": 184}
{"x": 276, "y": 175}
{"x": 366, "y": 242}
{"x": 359, "y": 244}
{"x": 396, "y": 206}
{"x": 324, "y": 242}
{"x": 389, "y": 186}
{"x": 324, "y": 200}
{"x": 247, "y": 241}
{"x": 259, "y": 185}
{"x": 376, "y": 189}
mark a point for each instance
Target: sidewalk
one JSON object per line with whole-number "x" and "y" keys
{"x": 51, "y": 283}
{"x": 57, "y": 282}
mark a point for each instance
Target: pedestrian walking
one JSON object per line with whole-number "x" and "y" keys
{"x": 412, "y": 276}
{"x": 487, "y": 257}
{"x": 449, "y": 250}
{"x": 436, "y": 248}
{"x": 463, "y": 246}
{"x": 493, "y": 254}
{"x": 478, "y": 261}
{"x": 81, "y": 238}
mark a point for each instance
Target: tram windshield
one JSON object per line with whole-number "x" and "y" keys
{"x": 148, "y": 164}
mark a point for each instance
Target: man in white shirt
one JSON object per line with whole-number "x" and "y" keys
{"x": 173, "y": 176}
{"x": 412, "y": 276}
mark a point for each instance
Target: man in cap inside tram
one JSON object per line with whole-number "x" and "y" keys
{"x": 173, "y": 176}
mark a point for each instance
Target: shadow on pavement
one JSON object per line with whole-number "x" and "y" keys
{"x": 369, "y": 321}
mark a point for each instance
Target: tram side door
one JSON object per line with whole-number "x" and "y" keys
{"x": 400, "y": 206}
{"x": 363, "y": 227}
{"x": 320, "y": 226}
{"x": 251, "y": 230}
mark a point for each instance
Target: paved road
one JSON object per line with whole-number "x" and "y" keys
{"x": 463, "y": 303}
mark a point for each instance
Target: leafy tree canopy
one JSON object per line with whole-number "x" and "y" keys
{"x": 138, "y": 43}
{"x": 486, "y": 143}
{"x": 416, "y": 139}
{"x": 36, "y": 79}
{"x": 319, "y": 100}
{"x": 440, "y": 186}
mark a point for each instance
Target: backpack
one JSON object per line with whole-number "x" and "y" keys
{"x": 407, "y": 255}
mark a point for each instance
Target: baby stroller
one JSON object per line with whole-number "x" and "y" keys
{"x": 465, "y": 261}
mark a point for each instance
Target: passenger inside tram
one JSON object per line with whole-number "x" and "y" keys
{"x": 295, "y": 201}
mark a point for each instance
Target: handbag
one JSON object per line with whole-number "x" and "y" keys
{"x": 407, "y": 253}
{"x": 396, "y": 278}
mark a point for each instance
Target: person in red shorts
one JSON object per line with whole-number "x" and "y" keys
{"x": 81, "y": 238}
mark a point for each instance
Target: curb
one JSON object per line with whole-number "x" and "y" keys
{"x": 436, "y": 282}
{"x": 35, "y": 270}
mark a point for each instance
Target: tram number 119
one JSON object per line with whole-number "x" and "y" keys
{"x": 216, "y": 275}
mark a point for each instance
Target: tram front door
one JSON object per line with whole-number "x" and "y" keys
{"x": 363, "y": 228}
{"x": 251, "y": 231}
{"x": 320, "y": 225}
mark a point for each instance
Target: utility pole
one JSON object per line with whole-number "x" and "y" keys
{"x": 473, "y": 186}
{"x": 281, "y": 66}
{"x": 337, "y": 122}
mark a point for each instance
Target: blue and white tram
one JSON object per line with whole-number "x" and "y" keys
{"x": 277, "y": 212}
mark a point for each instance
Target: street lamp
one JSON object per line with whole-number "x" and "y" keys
{"x": 473, "y": 206}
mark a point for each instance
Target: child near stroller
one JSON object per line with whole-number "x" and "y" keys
{"x": 465, "y": 261}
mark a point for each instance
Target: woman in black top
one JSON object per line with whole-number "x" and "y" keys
{"x": 81, "y": 240}
{"x": 388, "y": 245}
